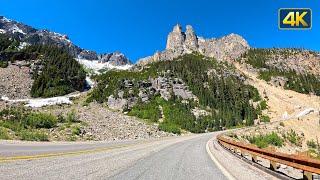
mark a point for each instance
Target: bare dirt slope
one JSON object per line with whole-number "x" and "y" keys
{"x": 289, "y": 112}
{"x": 283, "y": 104}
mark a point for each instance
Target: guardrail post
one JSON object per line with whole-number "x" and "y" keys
{"x": 238, "y": 151}
{"x": 273, "y": 165}
{"x": 254, "y": 158}
{"x": 243, "y": 153}
{"x": 307, "y": 175}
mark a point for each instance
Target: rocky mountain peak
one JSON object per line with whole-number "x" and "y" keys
{"x": 179, "y": 43}
{"x": 177, "y": 29}
{"x": 191, "y": 41}
{"x": 176, "y": 38}
{"x": 116, "y": 58}
{"x": 33, "y": 36}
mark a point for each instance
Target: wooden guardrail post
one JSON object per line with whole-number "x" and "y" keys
{"x": 307, "y": 175}
{"x": 254, "y": 158}
{"x": 273, "y": 165}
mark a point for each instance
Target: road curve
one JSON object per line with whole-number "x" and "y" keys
{"x": 170, "y": 158}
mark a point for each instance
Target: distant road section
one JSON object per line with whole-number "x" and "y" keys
{"x": 169, "y": 158}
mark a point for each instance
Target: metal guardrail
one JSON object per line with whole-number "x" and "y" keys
{"x": 309, "y": 166}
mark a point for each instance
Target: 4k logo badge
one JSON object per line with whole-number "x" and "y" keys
{"x": 291, "y": 18}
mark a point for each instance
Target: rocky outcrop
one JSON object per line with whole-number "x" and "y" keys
{"x": 298, "y": 60}
{"x": 116, "y": 59}
{"x": 279, "y": 81}
{"x": 191, "y": 42}
{"x": 86, "y": 54}
{"x": 165, "y": 87}
{"x": 179, "y": 43}
{"x": 176, "y": 39}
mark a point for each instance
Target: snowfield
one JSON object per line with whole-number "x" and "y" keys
{"x": 41, "y": 102}
{"x": 95, "y": 65}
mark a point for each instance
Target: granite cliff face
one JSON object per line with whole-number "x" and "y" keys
{"x": 178, "y": 43}
{"x": 115, "y": 58}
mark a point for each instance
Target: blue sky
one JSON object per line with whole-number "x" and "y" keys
{"x": 139, "y": 27}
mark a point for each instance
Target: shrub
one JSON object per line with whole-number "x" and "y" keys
{"x": 76, "y": 130}
{"x": 169, "y": 127}
{"x": 265, "y": 118}
{"x": 312, "y": 144}
{"x": 4, "y": 134}
{"x": 263, "y": 105}
{"x": 71, "y": 117}
{"x": 282, "y": 124}
{"x": 4, "y": 64}
{"x": 61, "y": 119}
{"x": 33, "y": 135}
{"x": 262, "y": 141}
{"x": 293, "y": 137}
{"x": 148, "y": 111}
{"x": 41, "y": 120}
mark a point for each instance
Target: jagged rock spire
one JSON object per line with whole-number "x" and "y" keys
{"x": 176, "y": 38}
{"x": 229, "y": 47}
{"x": 177, "y": 28}
{"x": 191, "y": 41}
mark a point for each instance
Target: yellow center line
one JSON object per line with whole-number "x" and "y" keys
{"x": 39, "y": 156}
{"x": 73, "y": 153}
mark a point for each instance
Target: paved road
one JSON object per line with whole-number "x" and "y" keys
{"x": 169, "y": 158}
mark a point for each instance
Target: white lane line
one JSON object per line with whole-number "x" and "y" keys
{"x": 222, "y": 169}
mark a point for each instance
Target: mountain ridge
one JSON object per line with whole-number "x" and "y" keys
{"x": 29, "y": 35}
{"x": 179, "y": 43}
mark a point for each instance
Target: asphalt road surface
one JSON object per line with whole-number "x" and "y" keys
{"x": 169, "y": 158}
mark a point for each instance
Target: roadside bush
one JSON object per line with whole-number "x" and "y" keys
{"x": 293, "y": 138}
{"x": 61, "y": 119}
{"x": 169, "y": 127}
{"x": 4, "y": 133}
{"x": 263, "y": 141}
{"x": 41, "y": 120}
{"x": 76, "y": 130}
{"x": 71, "y": 117}
{"x": 312, "y": 144}
{"x": 33, "y": 135}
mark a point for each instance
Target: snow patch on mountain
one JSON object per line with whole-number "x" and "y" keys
{"x": 41, "y": 102}
{"x": 5, "y": 19}
{"x": 2, "y": 31}
{"x": 96, "y": 65}
{"x": 90, "y": 82}
{"x": 23, "y": 45}
{"x": 15, "y": 29}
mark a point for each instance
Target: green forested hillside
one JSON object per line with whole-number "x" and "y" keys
{"x": 60, "y": 74}
{"x": 224, "y": 96}
{"x": 302, "y": 83}
{"x": 57, "y": 72}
